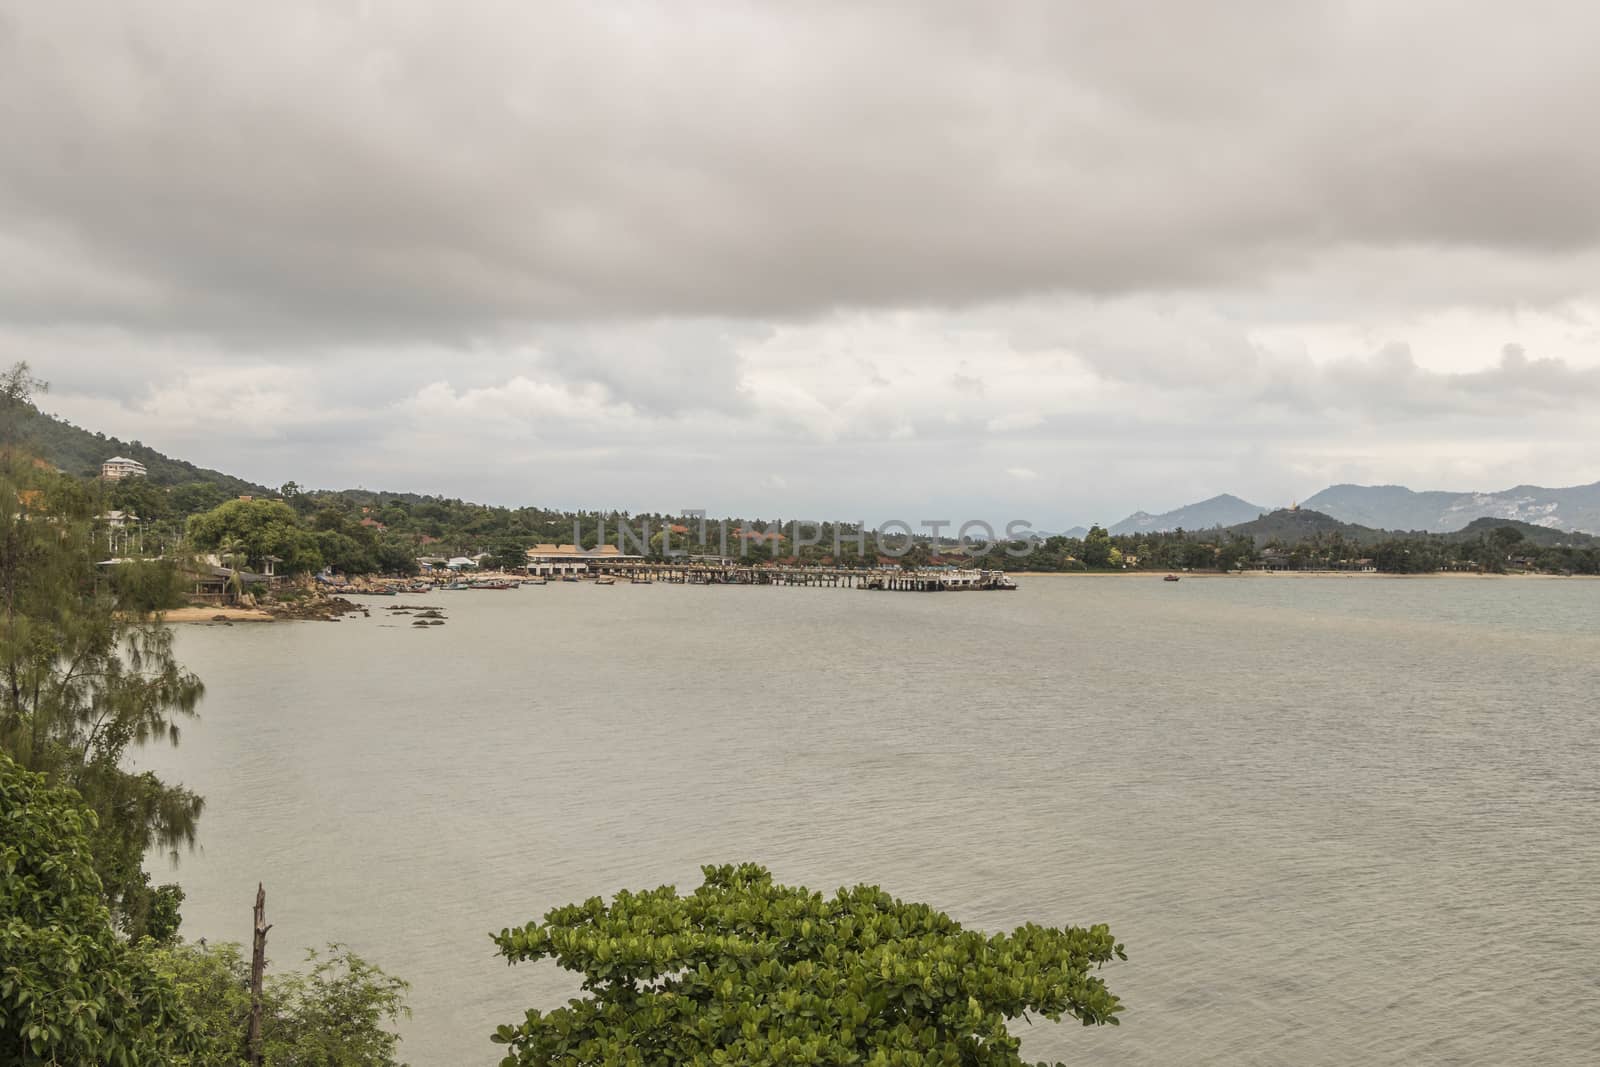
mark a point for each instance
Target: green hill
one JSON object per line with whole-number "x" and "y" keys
{"x": 1289, "y": 526}
{"x": 80, "y": 452}
{"x": 1539, "y": 536}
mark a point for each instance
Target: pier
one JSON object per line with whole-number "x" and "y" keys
{"x": 730, "y": 573}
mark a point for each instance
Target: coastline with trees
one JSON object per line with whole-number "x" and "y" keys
{"x": 94, "y": 969}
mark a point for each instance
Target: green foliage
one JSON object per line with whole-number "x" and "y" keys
{"x": 144, "y": 586}
{"x": 744, "y": 971}
{"x": 394, "y": 556}
{"x": 193, "y": 497}
{"x": 332, "y": 1016}
{"x": 1505, "y": 538}
{"x": 17, "y": 386}
{"x": 71, "y": 990}
{"x": 344, "y": 553}
{"x": 81, "y": 683}
{"x": 256, "y": 529}
{"x": 1097, "y": 548}
{"x": 162, "y": 914}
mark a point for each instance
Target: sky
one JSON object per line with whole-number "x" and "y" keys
{"x": 1052, "y": 261}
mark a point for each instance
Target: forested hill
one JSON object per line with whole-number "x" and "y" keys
{"x": 1291, "y": 526}
{"x": 1532, "y": 533}
{"x": 80, "y": 452}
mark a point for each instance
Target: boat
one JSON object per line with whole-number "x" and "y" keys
{"x": 569, "y": 577}
{"x": 536, "y": 581}
{"x": 1171, "y": 578}
{"x": 492, "y": 585}
{"x": 638, "y": 580}
{"x": 605, "y": 581}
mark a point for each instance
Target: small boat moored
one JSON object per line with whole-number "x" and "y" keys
{"x": 1171, "y": 578}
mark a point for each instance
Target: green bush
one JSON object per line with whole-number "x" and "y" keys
{"x": 746, "y": 972}
{"x": 71, "y": 990}
{"x": 144, "y": 586}
{"x": 334, "y": 1015}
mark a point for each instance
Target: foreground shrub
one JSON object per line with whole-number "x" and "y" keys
{"x": 747, "y": 972}
{"x": 334, "y": 1015}
{"x": 72, "y": 991}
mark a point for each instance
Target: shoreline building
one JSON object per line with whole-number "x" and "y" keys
{"x": 119, "y": 467}
{"x": 559, "y": 561}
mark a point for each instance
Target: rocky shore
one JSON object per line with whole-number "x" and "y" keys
{"x": 303, "y": 602}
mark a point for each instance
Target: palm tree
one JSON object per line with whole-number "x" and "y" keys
{"x": 231, "y": 551}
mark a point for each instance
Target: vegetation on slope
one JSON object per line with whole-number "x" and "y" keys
{"x": 80, "y": 452}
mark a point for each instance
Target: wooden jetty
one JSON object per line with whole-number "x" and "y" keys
{"x": 730, "y": 573}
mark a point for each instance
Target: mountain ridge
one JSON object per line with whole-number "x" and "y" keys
{"x": 1224, "y": 509}
{"x": 1396, "y": 507}
{"x": 1292, "y": 525}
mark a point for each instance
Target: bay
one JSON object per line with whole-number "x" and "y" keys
{"x": 1333, "y": 820}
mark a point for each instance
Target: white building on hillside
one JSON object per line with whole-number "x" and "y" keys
{"x": 121, "y": 467}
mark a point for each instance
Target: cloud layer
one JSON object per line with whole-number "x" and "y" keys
{"x": 925, "y": 251}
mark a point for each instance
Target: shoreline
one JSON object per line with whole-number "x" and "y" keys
{"x": 209, "y": 614}
{"x": 1258, "y": 575}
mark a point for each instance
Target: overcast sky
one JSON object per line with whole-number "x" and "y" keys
{"x": 1045, "y": 260}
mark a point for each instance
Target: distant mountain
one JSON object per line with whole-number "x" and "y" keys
{"x": 1288, "y": 525}
{"x": 1291, "y": 525}
{"x": 1078, "y": 532}
{"x": 1395, "y": 507}
{"x": 1224, "y": 510}
{"x": 78, "y": 451}
{"x": 1540, "y": 536}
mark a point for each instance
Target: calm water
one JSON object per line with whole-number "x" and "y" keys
{"x": 1334, "y": 821}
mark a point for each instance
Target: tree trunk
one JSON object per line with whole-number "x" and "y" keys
{"x": 258, "y": 965}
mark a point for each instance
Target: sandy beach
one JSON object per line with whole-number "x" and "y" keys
{"x": 211, "y": 614}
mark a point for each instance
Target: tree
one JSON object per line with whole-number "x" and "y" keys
{"x": 1097, "y": 548}
{"x": 1234, "y": 552}
{"x": 194, "y": 497}
{"x": 744, "y": 971}
{"x": 1505, "y": 538}
{"x": 71, "y": 990}
{"x": 335, "y": 1015}
{"x": 396, "y": 557}
{"x": 257, "y": 529}
{"x": 83, "y": 680}
{"x": 17, "y": 387}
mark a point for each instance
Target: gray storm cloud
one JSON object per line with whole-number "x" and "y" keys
{"x": 1079, "y": 257}
{"x": 374, "y": 169}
